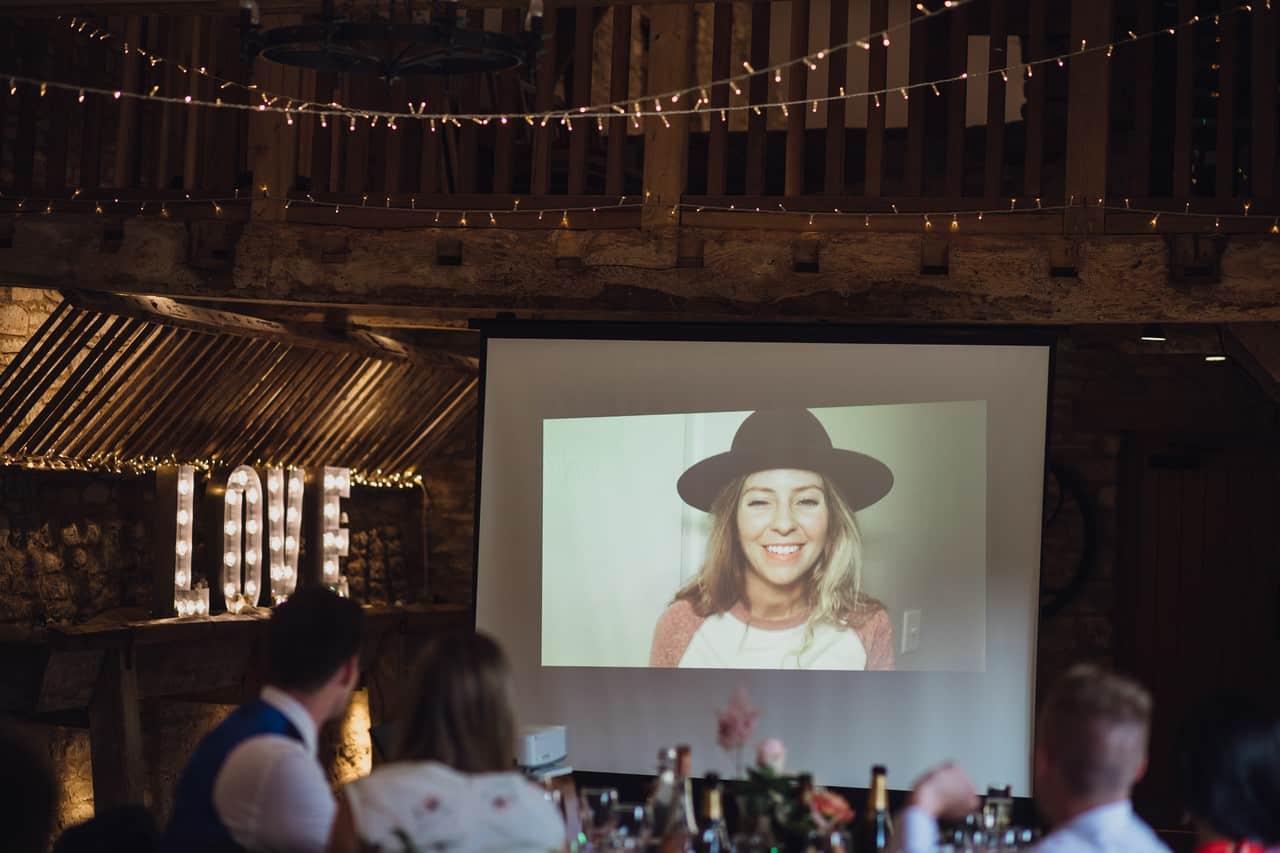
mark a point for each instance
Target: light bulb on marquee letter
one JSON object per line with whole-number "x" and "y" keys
{"x": 337, "y": 485}
{"x": 186, "y": 601}
{"x": 241, "y": 551}
{"x": 284, "y": 529}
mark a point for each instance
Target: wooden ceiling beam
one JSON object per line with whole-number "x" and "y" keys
{"x": 32, "y": 8}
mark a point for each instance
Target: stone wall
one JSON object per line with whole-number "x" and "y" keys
{"x": 450, "y": 479}
{"x": 22, "y": 310}
{"x": 386, "y": 563}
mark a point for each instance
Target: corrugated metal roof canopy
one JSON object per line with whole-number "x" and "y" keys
{"x": 134, "y": 377}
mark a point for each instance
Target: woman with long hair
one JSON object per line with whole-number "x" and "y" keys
{"x": 781, "y": 585}
{"x": 452, "y": 785}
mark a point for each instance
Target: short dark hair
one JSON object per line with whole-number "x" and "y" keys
{"x": 1229, "y": 760}
{"x": 1094, "y": 727}
{"x": 311, "y": 635}
{"x": 459, "y": 711}
{"x": 26, "y": 795}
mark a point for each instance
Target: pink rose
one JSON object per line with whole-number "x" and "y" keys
{"x": 772, "y": 754}
{"x": 735, "y": 723}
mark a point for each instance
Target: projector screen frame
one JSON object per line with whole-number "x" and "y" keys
{"x": 503, "y": 327}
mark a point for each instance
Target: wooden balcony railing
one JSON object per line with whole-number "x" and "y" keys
{"x": 1164, "y": 122}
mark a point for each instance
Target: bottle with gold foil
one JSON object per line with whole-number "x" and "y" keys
{"x": 874, "y": 828}
{"x": 714, "y": 837}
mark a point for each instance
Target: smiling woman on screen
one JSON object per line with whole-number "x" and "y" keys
{"x": 781, "y": 586}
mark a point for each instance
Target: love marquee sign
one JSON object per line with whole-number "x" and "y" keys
{"x": 261, "y": 531}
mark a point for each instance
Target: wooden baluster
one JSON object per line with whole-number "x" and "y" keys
{"x": 126, "y": 171}
{"x": 190, "y": 178}
{"x": 60, "y": 106}
{"x": 758, "y": 93}
{"x": 877, "y": 78}
{"x": 323, "y": 142}
{"x": 1183, "y": 91}
{"x": 1225, "y": 167}
{"x": 305, "y": 132}
{"x": 914, "y": 171}
{"x": 672, "y": 38}
{"x": 619, "y": 89}
{"x": 957, "y": 95}
{"x": 508, "y": 83}
{"x": 798, "y": 75}
{"x": 356, "y": 178}
{"x": 1143, "y": 85}
{"x": 1088, "y": 105}
{"x": 1266, "y": 33}
{"x": 584, "y": 129}
{"x": 91, "y": 119}
{"x": 1033, "y": 168}
{"x": 998, "y": 58}
{"x": 24, "y": 145}
{"x": 540, "y": 181}
{"x": 115, "y": 734}
{"x": 468, "y": 135}
{"x": 379, "y": 97}
{"x": 718, "y": 141}
{"x": 432, "y": 144}
{"x": 837, "y": 73}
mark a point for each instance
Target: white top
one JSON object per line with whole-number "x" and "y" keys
{"x": 1112, "y": 828}
{"x": 434, "y": 807}
{"x": 271, "y": 793}
{"x": 724, "y": 641}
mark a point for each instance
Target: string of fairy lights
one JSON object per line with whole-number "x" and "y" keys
{"x": 145, "y": 465}
{"x": 544, "y": 211}
{"x": 662, "y": 106}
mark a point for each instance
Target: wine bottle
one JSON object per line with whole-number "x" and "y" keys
{"x": 662, "y": 798}
{"x": 714, "y": 837}
{"x": 875, "y": 828}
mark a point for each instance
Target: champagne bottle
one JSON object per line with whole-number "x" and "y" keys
{"x": 715, "y": 835}
{"x": 687, "y": 822}
{"x": 661, "y": 802}
{"x": 874, "y": 827}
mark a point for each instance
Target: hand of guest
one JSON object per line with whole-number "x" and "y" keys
{"x": 945, "y": 791}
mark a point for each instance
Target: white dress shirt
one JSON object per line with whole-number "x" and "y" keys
{"x": 1112, "y": 828}
{"x": 424, "y": 805}
{"x": 271, "y": 793}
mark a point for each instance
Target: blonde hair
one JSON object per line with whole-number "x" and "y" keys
{"x": 1094, "y": 726}
{"x": 834, "y": 594}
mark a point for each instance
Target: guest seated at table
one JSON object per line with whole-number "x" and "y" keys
{"x": 452, "y": 786}
{"x": 1229, "y": 759}
{"x": 255, "y": 782}
{"x": 1091, "y": 749}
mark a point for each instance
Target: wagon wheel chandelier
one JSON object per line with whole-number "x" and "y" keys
{"x": 392, "y": 49}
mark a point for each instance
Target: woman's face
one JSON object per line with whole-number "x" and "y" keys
{"x": 782, "y": 523}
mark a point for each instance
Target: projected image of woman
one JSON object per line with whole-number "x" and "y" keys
{"x": 781, "y": 585}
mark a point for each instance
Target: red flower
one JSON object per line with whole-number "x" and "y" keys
{"x": 829, "y": 808}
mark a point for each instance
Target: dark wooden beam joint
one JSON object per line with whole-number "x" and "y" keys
{"x": 1064, "y": 258}
{"x": 211, "y": 244}
{"x": 935, "y": 255}
{"x": 689, "y": 251}
{"x": 1195, "y": 258}
{"x": 449, "y": 252}
{"x": 804, "y": 255}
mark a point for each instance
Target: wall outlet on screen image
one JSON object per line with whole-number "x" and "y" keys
{"x": 910, "y": 631}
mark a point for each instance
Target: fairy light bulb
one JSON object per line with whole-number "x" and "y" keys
{"x": 230, "y": 559}
{"x": 228, "y": 590}
{"x": 231, "y": 528}
{"x": 182, "y": 550}
{"x": 184, "y": 517}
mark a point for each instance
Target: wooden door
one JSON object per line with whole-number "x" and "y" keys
{"x": 1198, "y": 586}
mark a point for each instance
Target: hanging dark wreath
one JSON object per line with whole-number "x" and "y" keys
{"x": 1053, "y": 599}
{"x": 392, "y": 44}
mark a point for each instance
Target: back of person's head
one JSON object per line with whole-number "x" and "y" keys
{"x": 310, "y": 637}
{"x": 127, "y": 829}
{"x": 1093, "y": 729}
{"x": 460, "y": 712}
{"x": 26, "y": 796}
{"x": 1229, "y": 757}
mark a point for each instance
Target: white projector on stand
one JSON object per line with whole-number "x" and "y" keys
{"x": 541, "y": 746}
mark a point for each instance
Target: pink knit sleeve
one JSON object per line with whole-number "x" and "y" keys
{"x": 877, "y": 638}
{"x": 673, "y": 633}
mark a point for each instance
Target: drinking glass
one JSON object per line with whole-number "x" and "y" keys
{"x": 598, "y": 814}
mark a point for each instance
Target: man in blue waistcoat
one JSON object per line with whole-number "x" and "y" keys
{"x": 254, "y": 782}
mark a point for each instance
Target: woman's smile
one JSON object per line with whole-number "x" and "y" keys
{"x": 782, "y": 525}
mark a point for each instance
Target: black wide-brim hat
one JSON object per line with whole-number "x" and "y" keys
{"x": 786, "y": 438}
